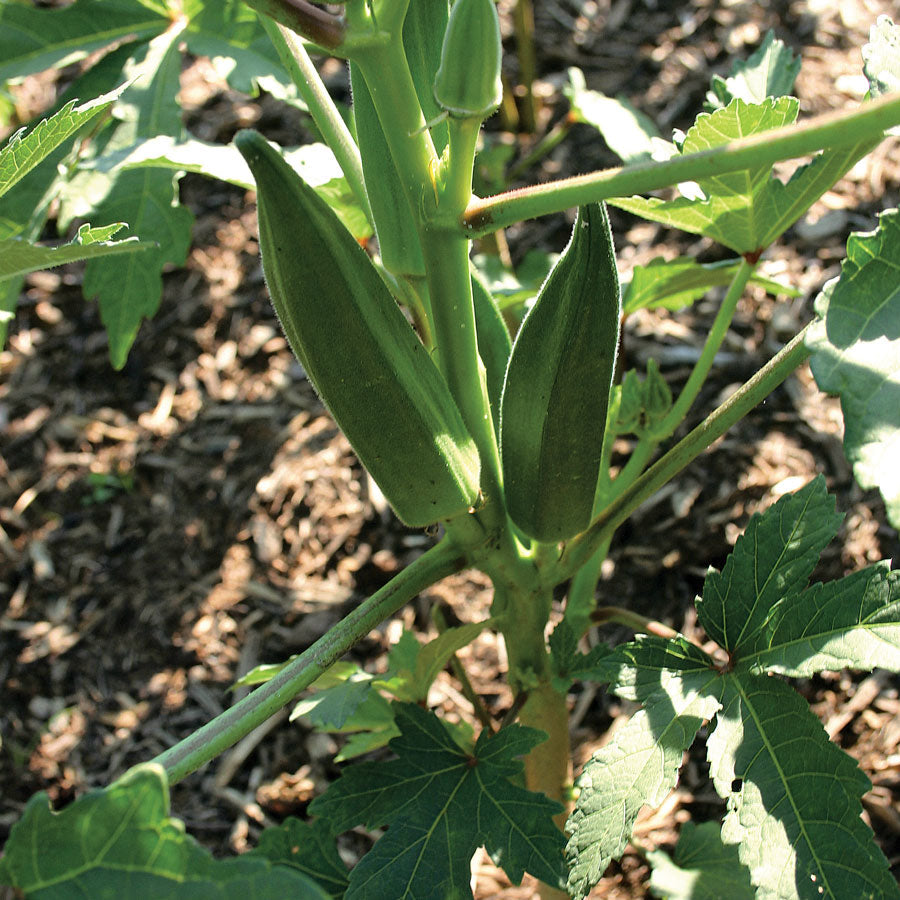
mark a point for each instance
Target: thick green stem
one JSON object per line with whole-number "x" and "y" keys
{"x": 230, "y": 726}
{"x": 830, "y": 130}
{"x": 772, "y": 374}
{"x": 325, "y": 114}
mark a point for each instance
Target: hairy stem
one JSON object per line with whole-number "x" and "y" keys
{"x": 830, "y": 130}
{"x": 325, "y": 114}
{"x": 230, "y": 726}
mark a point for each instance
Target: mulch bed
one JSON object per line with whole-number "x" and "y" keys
{"x": 167, "y": 528}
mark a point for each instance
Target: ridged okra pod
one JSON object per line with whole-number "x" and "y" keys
{"x": 359, "y": 351}
{"x": 467, "y": 83}
{"x": 556, "y": 392}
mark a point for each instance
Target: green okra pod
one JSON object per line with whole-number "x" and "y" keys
{"x": 359, "y": 351}
{"x": 467, "y": 83}
{"x": 556, "y": 392}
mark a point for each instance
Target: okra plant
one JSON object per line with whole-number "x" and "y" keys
{"x": 503, "y": 443}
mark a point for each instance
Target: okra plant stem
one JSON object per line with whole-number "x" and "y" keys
{"x": 230, "y": 726}
{"x": 829, "y": 130}
{"x": 325, "y": 114}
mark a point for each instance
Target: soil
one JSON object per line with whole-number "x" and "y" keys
{"x": 166, "y": 528}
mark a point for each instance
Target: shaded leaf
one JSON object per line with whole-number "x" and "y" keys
{"x": 629, "y": 133}
{"x": 440, "y": 804}
{"x": 308, "y": 847}
{"x": 120, "y": 842}
{"x": 793, "y": 797}
{"x": 702, "y": 867}
{"x": 639, "y": 766}
{"x": 674, "y": 284}
{"x": 770, "y": 71}
{"x": 18, "y": 257}
{"x": 856, "y": 354}
{"x": 32, "y": 39}
{"x": 570, "y": 664}
{"x": 147, "y": 199}
{"x": 772, "y": 559}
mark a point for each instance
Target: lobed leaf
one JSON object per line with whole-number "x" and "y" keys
{"x": 639, "y": 766}
{"x": 852, "y": 623}
{"x": 147, "y": 199}
{"x": 748, "y": 209}
{"x": 440, "y": 803}
{"x": 855, "y": 346}
{"x": 702, "y": 867}
{"x": 793, "y": 796}
{"x": 772, "y": 559}
{"x": 120, "y": 842}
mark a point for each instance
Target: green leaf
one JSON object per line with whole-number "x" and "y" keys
{"x": 702, "y": 867}
{"x": 308, "y": 847}
{"x": 230, "y": 34}
{"x": 120, "y": 842}
{"x": 852, "y": 623}
{"x": 24, "y": 151}
{"x": 33, "y": 39}
{"x": 440, "y": 804}
{"x": 856, "y": 353}
{"x": 512, "y": 290}
{"x": 771, "y": 560}
{"x": 338, "y": 708}
{"x": 746, "y": 210}
{"x": 793, "y": 796}
{"x": 770, "y": 72}
{"x": 674, "y": 284}
{"x": 629, "y": 133}
{"x": 147, "y": 199}
{"x": 437, "y": 652}
{"x": 881, "y": 58}
{"x": 639, "y": 766}
{"x": 18, "y": 257}
{"x": 570, "y": 664}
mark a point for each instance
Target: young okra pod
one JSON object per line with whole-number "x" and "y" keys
{"x": 360, "y": 353}
{"x": 556, "y": 392}
{"x": 467, "y": 84}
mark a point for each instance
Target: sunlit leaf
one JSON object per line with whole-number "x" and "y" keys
{"x": 748, "y": 209}
{"x": 770, "y": 71}
{"x": 25, "y": 150}
{"x": 121, "y": 842}
{"x": 856, "y": 354}
{"x": 639, "y": 766}
{"x": 793, "y": 797}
